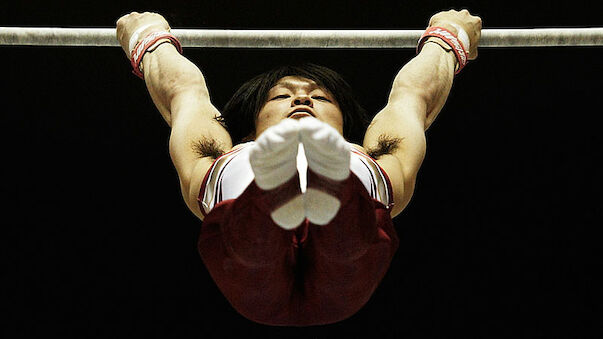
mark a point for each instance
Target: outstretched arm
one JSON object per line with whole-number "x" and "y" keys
{"x": 418, "y": 93}
{"x": 179, "y": 92}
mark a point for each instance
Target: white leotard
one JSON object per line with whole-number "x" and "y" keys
{"x": 231, "y": 173}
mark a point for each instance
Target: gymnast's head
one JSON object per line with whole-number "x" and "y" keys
{"x": 293, "y": 92}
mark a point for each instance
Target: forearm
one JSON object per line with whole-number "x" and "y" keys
{"x": 428, "y": 79}
{"x": 418, "y": 94}
{"x": 170, "y": 77}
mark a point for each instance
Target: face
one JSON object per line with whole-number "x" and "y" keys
{"x": 295, "y": 97}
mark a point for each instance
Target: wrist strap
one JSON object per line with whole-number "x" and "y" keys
{"x": 134, "y": 38}
{"x": 145, "y": 44}
{"x": 457, "y": 46}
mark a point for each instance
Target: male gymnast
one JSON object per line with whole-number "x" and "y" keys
{"x": 297, "y": 215}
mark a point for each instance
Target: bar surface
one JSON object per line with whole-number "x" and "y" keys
{"x": 216, "y": 38}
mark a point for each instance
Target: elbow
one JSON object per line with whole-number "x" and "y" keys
{"x": 425, "y": 101}
{"x": 191, "y": 80}
{"x": 431, "y": 91}
{"x": 405, "y": 89}
{"x": 187, "y": 88}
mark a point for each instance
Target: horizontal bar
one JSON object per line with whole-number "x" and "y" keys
{"x": 534, "y": 37}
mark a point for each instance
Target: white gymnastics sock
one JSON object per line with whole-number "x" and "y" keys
{"x": 273, "y": 155}
{"x": 291, "y": 214}
{"x": 320, "y": 207}
{"x": 328, "y": 155}
{"x": 273, "y": 161}
{"x": 327, "y": 152}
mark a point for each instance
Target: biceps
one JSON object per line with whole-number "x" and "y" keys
{"x": 400, "y": 122}
{"x": 193, "y": 120}
{"x": 402, "y": 163}
{"x": 194, "y": 126}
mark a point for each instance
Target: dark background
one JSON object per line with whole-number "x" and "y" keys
{"x": 501, "y": 240}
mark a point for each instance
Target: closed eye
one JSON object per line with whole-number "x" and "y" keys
{"x": 318, "y": 97}
{"x": 281, "y": 96}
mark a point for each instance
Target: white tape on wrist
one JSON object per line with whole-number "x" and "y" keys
{"x": 462, "y": 35}
{"x": 134, "y": 37}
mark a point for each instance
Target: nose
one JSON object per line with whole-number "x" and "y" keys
{"x": 302, "y": 100}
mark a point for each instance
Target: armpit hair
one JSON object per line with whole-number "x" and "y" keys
{"x": 206, "y": 147}
{"x": 385, "y": 145}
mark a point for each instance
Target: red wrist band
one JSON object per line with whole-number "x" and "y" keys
{"x": 442, "y": 33}
{"x": 149, "y": 41}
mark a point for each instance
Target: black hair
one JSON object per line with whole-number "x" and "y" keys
{"x": 240, "y": 112}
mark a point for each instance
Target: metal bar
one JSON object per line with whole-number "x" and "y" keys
{"x": 214, "y": 38}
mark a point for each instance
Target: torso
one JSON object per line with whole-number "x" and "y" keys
{"x": 231, "y": 173}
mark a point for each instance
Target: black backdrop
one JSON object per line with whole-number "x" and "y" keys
{"x": 501, "y": 240}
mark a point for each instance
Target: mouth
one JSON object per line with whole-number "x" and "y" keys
{"x": 300, "y": 113}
